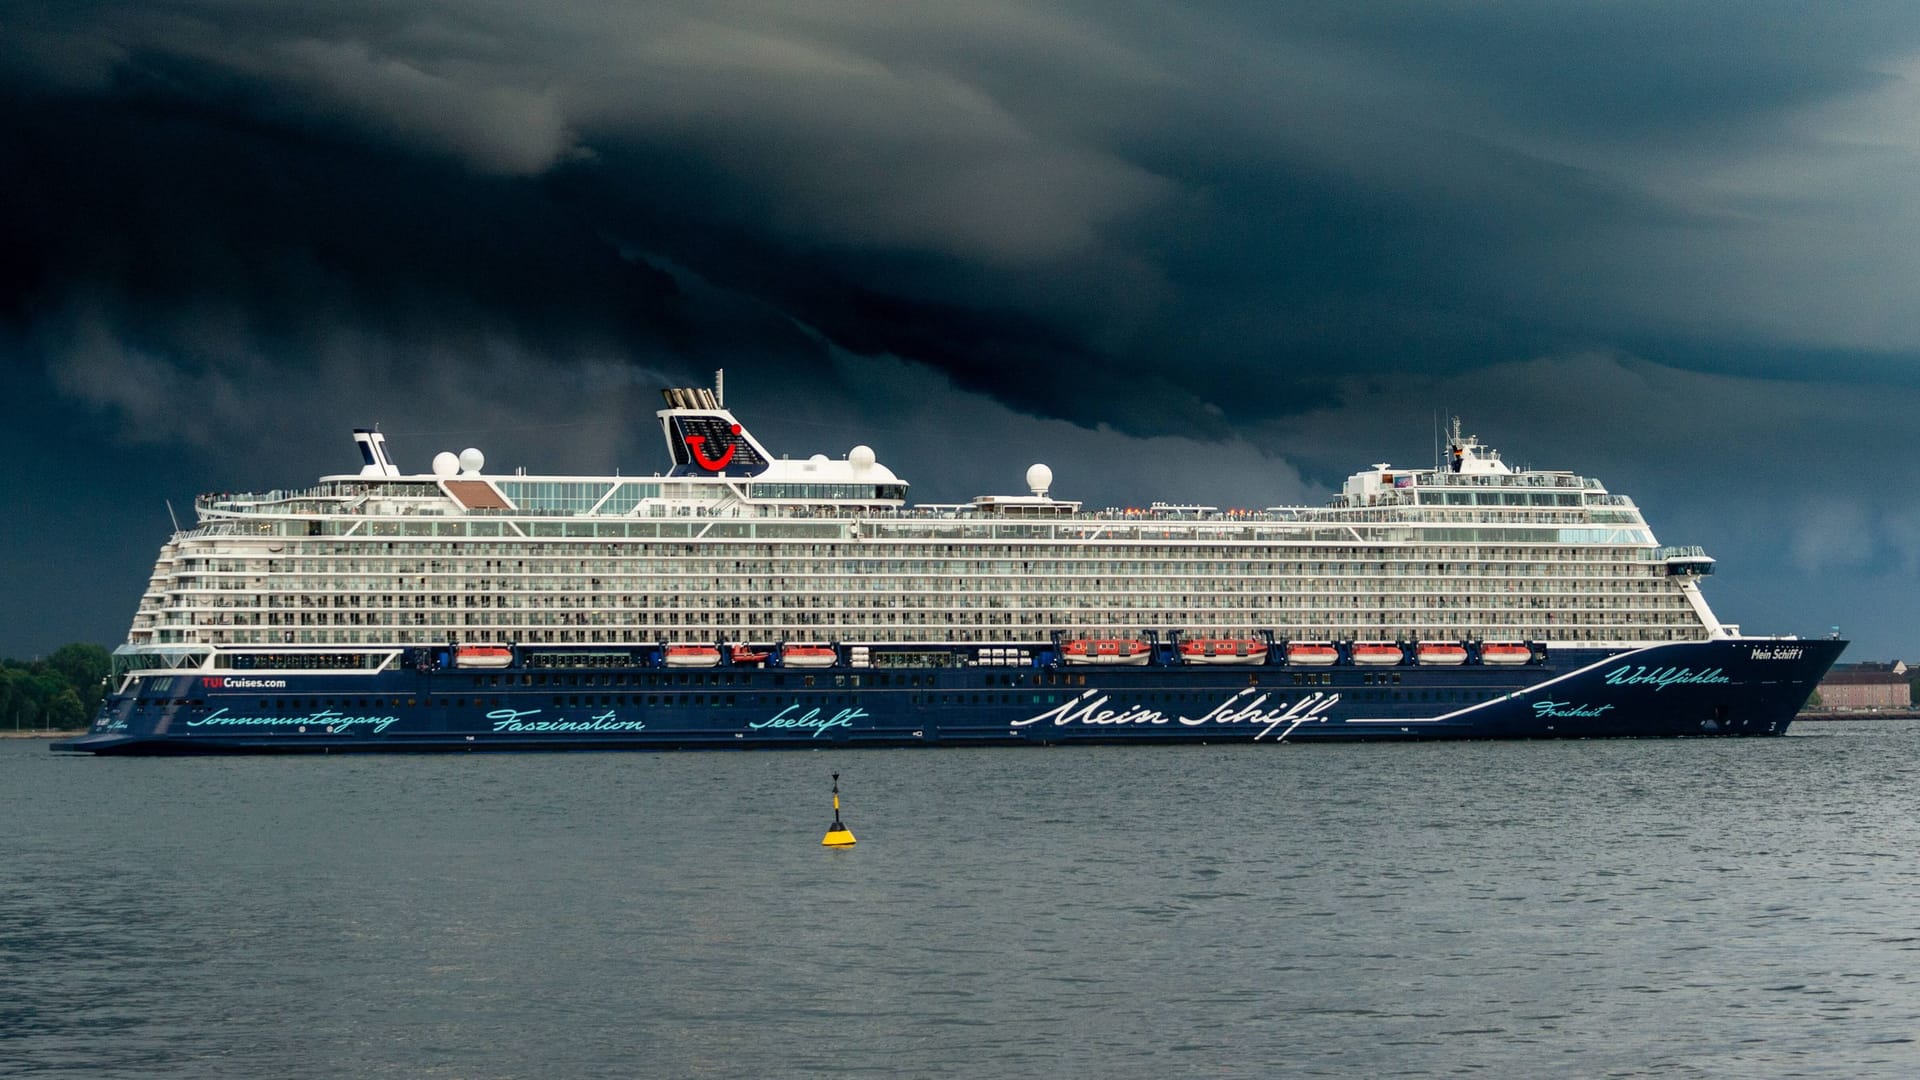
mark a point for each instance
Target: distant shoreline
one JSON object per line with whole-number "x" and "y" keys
{"x": 42, "y": 734}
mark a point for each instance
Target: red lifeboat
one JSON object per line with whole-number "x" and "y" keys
{"x": 1505, "y": 653}
{"x": 692, "y": 656}
{"x": 1377, "y": 653}
{"x": 742, "y": 654}
{"x": 1312, "y": 653}
{"x": 482, "y": 656}
{"x": 1106, "y": 651}
{"x": 808, "y": 656}
{"x": 1441, "y": 653}
{"x": 1223, "y": 651}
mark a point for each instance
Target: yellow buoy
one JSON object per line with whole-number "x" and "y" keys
{"x": 837, "y": 834}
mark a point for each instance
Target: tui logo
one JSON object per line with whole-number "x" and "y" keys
{"x": 695, "y": 442}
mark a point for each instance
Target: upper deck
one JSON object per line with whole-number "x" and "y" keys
{"x": 735, "y": 543}
{"x": 721, "y": 473}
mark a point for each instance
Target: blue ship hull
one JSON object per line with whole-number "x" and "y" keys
{"x": 591, "y": 700}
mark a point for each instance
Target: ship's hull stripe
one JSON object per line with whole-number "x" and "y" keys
{"x": 1724, "y": 687}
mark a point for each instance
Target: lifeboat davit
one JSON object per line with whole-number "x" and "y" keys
{"x": 1505, "y": 652}
{"x": 741, "y": 654}
{"x": 1106, "y": 651}
{"x": 1312, "y": 653}
{"x": 482, "y": 656}
{"x": 1223, "y": 651}
{"x": 808, "y": 656}
{"x": 692, "y": 656}
{"x": 1377, "y": 653}
{"x": 1443, "y": 653}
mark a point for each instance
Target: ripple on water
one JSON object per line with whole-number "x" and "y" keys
{"x": 1686, "y": 908}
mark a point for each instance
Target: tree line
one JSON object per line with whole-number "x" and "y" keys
{"x": 60, "y": 692}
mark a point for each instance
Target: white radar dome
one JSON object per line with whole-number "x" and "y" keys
{"x": 471, "y": 459}
{"x": 445, "y": 464}
{"x": 817, "y": 462}
{"x": 861, "y": 457}
{"x": 1039, "y": 478}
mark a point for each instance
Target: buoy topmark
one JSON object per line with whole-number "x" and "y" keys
{"x": 837, "y": 834}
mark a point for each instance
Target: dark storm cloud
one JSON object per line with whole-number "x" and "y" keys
{"x": 1163, "y": 220}
{"x": 1239, "y": 248}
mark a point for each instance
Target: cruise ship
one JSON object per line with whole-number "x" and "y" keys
{"x": 744, "y": 599}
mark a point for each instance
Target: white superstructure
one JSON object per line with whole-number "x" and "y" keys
{"x": 734, "y": 544}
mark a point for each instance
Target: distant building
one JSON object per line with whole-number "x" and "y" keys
{"x": 1853, "y": 687}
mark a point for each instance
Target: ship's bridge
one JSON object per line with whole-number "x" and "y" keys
{"x": 1469, "y": 464}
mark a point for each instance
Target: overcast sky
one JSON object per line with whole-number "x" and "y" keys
{"x": 1220, "y": 253}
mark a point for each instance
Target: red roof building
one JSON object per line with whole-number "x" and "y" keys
{"x": 1866, "y": 687}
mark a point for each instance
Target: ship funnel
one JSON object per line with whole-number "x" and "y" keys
{"x": 373, "y": 453}
{"x": 705, "y": 439}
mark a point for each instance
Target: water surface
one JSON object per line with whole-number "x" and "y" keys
{"x": 1675, "y": 908}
